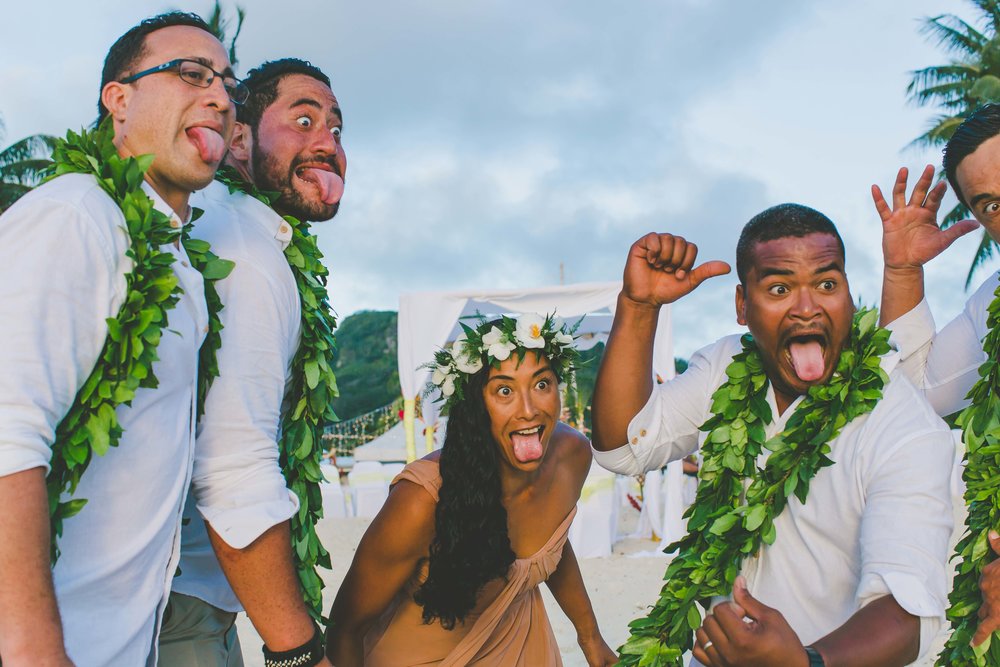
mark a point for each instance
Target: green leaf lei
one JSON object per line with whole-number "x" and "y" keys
{"x": 313, "y": 387}
{"x": 980, "y": 424}
{"x": 722, "y": 528}
{"x": 125, "y": 364}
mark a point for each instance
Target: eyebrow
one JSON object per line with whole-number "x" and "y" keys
{"x": 981, "y": 197}
{"x": 310, "y": 102}
{"x": 775, "y": 271}
{"x": 208, "y": 63}
{"x": 540, "y": 371}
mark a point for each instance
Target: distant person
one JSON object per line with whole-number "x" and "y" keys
{"x": 65, "y": 251}
{"x": 287, "y": 141}
{"x": 449, "y": 570}
{"x": 945, "y": 365}
{"x": 850, "y": 568}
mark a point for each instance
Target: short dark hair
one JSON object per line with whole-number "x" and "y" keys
{"x": 263, "y": 84}
{"x": 778, "y": 222}
{"x": 130, "y": 47}
{"x": 982, "y": 125}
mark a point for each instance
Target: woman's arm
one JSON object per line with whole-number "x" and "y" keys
{"x": 385, "y": 560}
{"x": 566, "y": 584}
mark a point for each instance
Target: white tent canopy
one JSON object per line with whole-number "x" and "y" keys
{"x": 429, "y": 320}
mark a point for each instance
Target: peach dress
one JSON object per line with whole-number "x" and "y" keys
{"x": 507, "y": 628}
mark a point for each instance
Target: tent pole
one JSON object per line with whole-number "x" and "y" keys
{"x": 429, "y": 430}
{"x": 409, "y": 409}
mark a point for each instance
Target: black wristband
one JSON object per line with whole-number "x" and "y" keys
{"x": 307, "y": 655}
{"x": 815, "y": 659}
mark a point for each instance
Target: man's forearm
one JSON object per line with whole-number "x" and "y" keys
{"x": 902, "y": 291}
{"x": 881, "y": 634}
{"x": 30, "y": 629}
{"x": 264, "y": 579}
{"x": 625, "y": 379}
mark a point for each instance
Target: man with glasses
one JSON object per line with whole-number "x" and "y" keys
{"x": 167, "y": 89}
{"x": 287, "y": 140}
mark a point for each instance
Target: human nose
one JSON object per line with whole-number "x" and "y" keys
{"x": 805, "y": 305}
{"x": 217, "y": 96}
{"x": 526, "y": 406}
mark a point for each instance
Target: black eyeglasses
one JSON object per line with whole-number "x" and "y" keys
{"x": 197, "y": 74}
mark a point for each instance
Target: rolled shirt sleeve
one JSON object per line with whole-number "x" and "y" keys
{"x": 62, "y": 274}
{"x": 908, "y": 495}
{"x": 238, "y": 484}
{"x": 666, "y": 428}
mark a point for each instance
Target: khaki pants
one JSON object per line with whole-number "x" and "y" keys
{"x": 196, "y": 634}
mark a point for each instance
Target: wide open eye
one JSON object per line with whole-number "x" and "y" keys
{"x": 504, "y": 391}
{"x": 336, "y": 132}
{"x": 778, "y": 290}
{"x": 304, "y": 121}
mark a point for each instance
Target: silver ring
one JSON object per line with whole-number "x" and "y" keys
{"x": 707, "y": 645}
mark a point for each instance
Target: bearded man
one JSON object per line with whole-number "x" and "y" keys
{"x": 286, "y": 141}
{"x": 168, "y": 89}
{"x": 946, "y": 365}
{"x": 848, "y": 569}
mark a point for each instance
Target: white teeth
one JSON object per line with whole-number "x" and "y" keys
{"x": 529, "y": 431}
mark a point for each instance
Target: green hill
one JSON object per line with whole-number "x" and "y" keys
{"x": 366, "y": 363}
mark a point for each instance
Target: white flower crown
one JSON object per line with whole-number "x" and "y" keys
{"x": 493, "y": 342}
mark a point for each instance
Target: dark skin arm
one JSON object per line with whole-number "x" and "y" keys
{"x": 387, "y": 557}
{"x": 881, "y": 634}
{"x": 264, "y": 579}
{"x": 659, "y": 270}
{"x": 566, "y": 584}
{"x": 30, "y": 629}
{"x": 989, "y": 586}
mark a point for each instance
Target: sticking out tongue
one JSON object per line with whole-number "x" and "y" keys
{"x": 527, "y": 447}
{"x": 209, "y": 143}
{"x": 331, "y": 186}
{"x": 807, "y": 359}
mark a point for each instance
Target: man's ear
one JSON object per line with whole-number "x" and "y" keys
{"x": 115, "y": 97}
{"x": 241, "y": 144}
{"x": 741, "y": 306}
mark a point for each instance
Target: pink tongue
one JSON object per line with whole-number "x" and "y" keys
{"x": 527, "y": 447}
{"x": 209, "y": 143}
{"x": 807, "y": 358}
{"x": 331, "y": 186}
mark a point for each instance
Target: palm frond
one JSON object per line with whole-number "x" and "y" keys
{"x": 37, "y": 145}
{"x": 983, "y": 253}
{"x": 241, "y": 14}
{"x": 956, "y": 214}
{"x": 954, "y": 34}
{"x": 25, "y": 172}
{"x": 991, "y": 13}
{"x": 10, "y": 193}
{"x": 940, "y": 131}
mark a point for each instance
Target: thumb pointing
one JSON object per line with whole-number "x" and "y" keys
{"x": 708, "y": 270}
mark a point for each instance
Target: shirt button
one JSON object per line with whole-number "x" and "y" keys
{"x": 642, "y": 433}
{"x": 205, "y": 329}
{"x": 635, "y": 441}
{"x": 186, "y": 265}
{"x": 175, "y": 223}
{"x": 283, "y": 229}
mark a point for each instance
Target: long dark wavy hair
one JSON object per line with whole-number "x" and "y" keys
{"x": 471, "y": 545}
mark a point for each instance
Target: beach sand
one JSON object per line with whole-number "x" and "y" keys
{"x": 621, "y": 586}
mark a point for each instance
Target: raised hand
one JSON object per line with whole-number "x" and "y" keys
{"x": 726, "y": 640}
{"x": 659, "y": 269}
{"x": 597, "y": 652}
{"x": 910, "y": 234}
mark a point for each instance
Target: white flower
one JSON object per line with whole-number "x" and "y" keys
{"x": 448, "y": 388}
{"x": 466, "y": 358}
{"x": 563, "y": 339}
{"x": 529, "y": 331}
{"x": 439, "y": 374}
{"x": 496, "y": 344}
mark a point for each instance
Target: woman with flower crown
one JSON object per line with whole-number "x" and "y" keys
{"x": 448, "y": 573}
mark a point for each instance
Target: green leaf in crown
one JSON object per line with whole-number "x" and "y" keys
{"x": 310, "y": 394}
{"x": 724, "y": 524}
{"x": 980, "y": 424}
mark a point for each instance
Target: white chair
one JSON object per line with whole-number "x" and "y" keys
{"x": 595, "y": 526}
{"x": 673, "y": 526}
{"x": 368, "y": 488}
{"x": 390, "y": 470}
{"x": 334, "y": 503}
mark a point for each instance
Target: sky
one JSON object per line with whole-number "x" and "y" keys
{"x": 508, "y": 144}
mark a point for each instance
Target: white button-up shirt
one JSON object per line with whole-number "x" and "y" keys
{"x": 237, "y": 485}
{"x": 62, "y": 273}
{"x": 875, "y": 523}
{"x": 945, "y": 365}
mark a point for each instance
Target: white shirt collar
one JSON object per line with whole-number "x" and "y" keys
{"x": 160, "y": 205}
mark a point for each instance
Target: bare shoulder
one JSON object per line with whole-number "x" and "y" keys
{"x": 572, "y": 449}
{"x": 404, "y": 526}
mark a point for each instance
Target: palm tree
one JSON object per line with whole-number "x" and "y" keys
{"x": 971, "y": 79}
{"x": 219, "y": 26}
{"x": 21, "y": 166}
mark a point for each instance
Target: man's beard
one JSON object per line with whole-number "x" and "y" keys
{"x": 269, "y": 177}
